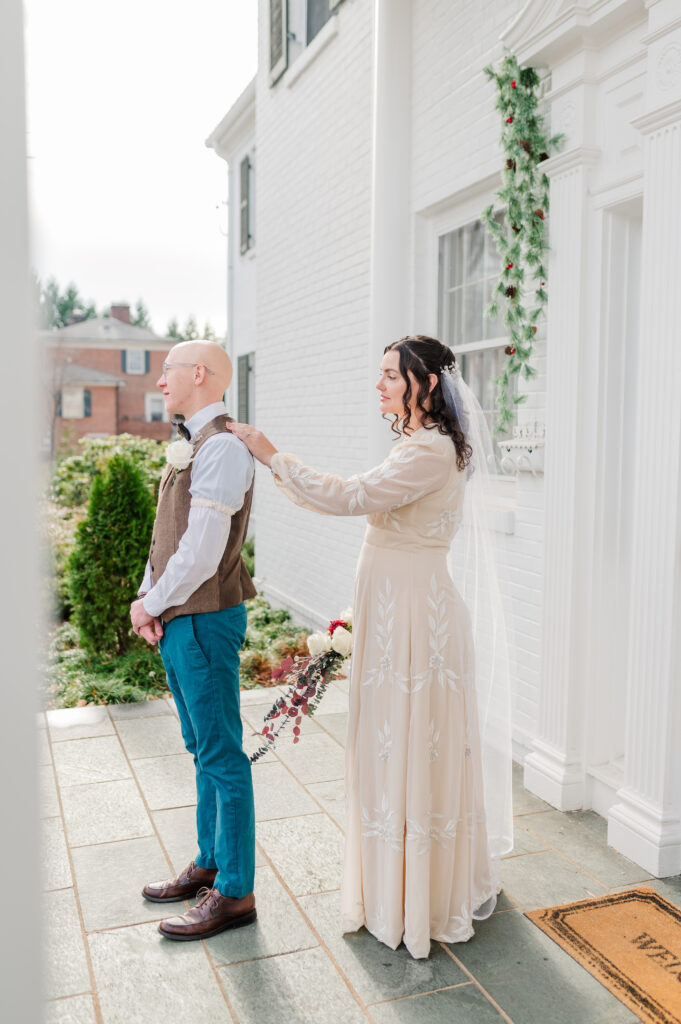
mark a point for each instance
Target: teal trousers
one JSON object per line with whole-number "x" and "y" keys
{"x": 201, "y": 657}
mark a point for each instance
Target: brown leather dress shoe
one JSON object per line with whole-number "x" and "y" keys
{"x": 214, "y": 913}
{"x": 186, "y": 885}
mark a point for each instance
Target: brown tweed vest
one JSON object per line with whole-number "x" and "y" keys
{"x": 231, "y": 584}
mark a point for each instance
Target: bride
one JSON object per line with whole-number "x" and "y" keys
{"x": 421, "y": 850}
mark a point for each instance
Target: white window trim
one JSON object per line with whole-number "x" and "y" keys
{"x": 135, "y": 352}
{"x": 309, "y": 55}
{"x": 149, "y": 396}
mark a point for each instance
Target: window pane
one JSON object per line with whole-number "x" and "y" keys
{"x": 480, "y": 370}
{"x": 317, "y": 17}
{"x": 475, "y": 241}
{"x": 454, "y": 305}
{"x": 135, "y": 361}
{"x": 72, "y": 403}
{"x": 455, "y": 257}
{"x": 472, "y": 303}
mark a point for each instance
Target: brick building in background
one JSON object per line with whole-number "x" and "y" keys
{"x": 102, "y": 380}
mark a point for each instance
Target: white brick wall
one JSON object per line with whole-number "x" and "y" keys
{"x": 313, "y": 158}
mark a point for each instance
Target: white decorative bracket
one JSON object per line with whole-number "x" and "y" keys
{"x": 524, "y": 452}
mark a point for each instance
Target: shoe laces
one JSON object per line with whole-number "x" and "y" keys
{"x": 204, "y": 895}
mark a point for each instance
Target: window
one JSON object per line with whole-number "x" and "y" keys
{"x": 75, "y": 403}
{"x": 245, "y": 204}
{"x": 468, "y": 275}
{"x": 155, "y": 408}
{"x": 135, "y": 360}
{"x": 293, "y": 25}
{"x": 245, "y": 384}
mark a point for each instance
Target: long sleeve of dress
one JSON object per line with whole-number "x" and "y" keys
{"x": 413, "y": 469}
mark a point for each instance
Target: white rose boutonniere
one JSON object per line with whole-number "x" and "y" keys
{"x": 179, "y": 454}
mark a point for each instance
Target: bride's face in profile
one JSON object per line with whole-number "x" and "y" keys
{"x": 392, "y": 385}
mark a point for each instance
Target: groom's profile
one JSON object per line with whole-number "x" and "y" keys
{"x": 191, "y": 603}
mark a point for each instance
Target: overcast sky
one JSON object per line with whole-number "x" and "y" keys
{"x": 127, "y": 202}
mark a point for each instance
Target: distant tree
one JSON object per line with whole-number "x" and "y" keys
{"x": 208, "y": 332}
{"x": 173, "y": 330}
{"x": 191, "y": 330}
{"x": 59, "y": 309}
{"x": 141, "y": 318}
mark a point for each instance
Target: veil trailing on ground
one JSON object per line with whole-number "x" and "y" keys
{"x": 473, "y": 566}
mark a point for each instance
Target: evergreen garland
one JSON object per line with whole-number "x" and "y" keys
{"x": 521, "y": 236}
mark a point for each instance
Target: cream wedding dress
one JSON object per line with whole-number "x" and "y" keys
{"x": 417, "y": 864}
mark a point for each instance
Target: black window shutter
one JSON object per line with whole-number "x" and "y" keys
{"x": 147, "y": 362}
{"x": 123, "y": 360}
{"x": 243, "y": 369}
{"x": 57, "y": 402}
{"x": 87, "y": 402}
{"x": 245, "y": 203}
{"x": 278, "y": 39}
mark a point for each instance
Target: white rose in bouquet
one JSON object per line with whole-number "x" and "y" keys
{"x": 179, "y": 454}
{"x": 341, "y": 641}
{"x": 318, "y": 643}
{"x": 346, "y": 616}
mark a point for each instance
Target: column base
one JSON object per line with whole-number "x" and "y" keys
{"x": 641, "y": 832}
{"x": 549, "y": 775}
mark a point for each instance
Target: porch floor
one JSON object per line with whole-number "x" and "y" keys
{"x": 118, "y": 811}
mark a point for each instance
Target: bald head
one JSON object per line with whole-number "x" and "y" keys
{"x": 213, "y": 357}
{"x": 198, "y": 374}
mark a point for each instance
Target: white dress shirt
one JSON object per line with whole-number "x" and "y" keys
{"x": 221, "y": 473}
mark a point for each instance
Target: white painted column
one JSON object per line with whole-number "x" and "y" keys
{"x": 555, "y": 769}
{"x": 645, "y": 824}
{"x": 391, "y": 222}
{"x": 21, "y": 624}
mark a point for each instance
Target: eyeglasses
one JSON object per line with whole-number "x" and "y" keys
{"x": 166, "y": 365}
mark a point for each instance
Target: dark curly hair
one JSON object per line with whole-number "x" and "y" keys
{"x": 422, "y": 356}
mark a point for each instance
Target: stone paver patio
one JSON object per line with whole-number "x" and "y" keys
{"x": 118, "y": 810}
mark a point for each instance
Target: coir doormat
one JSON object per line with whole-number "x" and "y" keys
{"x": 631, "y": 942}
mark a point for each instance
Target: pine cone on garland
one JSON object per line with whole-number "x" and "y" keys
{"x": 510, "y": 165}
{"x": 539, "y": 213}
{"x": 514, "y": 227}
{"x": 543, "y": 156}
{"x": 511, "y": 291}
{"x": 526, "y": 145}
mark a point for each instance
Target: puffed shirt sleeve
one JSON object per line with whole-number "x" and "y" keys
{"x": 222, "y": 473}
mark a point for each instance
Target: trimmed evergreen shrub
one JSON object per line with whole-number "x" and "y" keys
{"x": 108, "y": 561}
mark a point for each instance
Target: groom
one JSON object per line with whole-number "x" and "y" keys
{"x": 192, "y": 604}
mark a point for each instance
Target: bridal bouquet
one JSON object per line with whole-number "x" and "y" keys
{"x": 308, "y": 679}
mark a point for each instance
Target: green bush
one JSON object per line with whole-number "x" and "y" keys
{"x": 76, "y": 677}
{"x": 74, "y": 474}
{"x": 248, "y": 555}
{"x": 270, "y": 637}
{"x": 108, "y": 561}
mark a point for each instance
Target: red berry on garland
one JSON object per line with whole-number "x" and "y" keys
{"x": 513, "y": 84}
{"x": 509, "y": 350}
{"x": 508, "y": 266}
{"x": 509, "y": 120}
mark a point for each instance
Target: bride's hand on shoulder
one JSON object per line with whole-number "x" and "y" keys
{"x": 256, "y": 442}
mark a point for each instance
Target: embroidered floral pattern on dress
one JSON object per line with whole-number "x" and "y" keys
{"x": 384, "y": 642}
{"x": 433, "y": 740}
{"x": 437, "y": 670}
{"x": 384, "y": 742}
{"x": 450, "y": 516}
{"x": 425, "y": 835}
{"x": 384, "y": 826}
